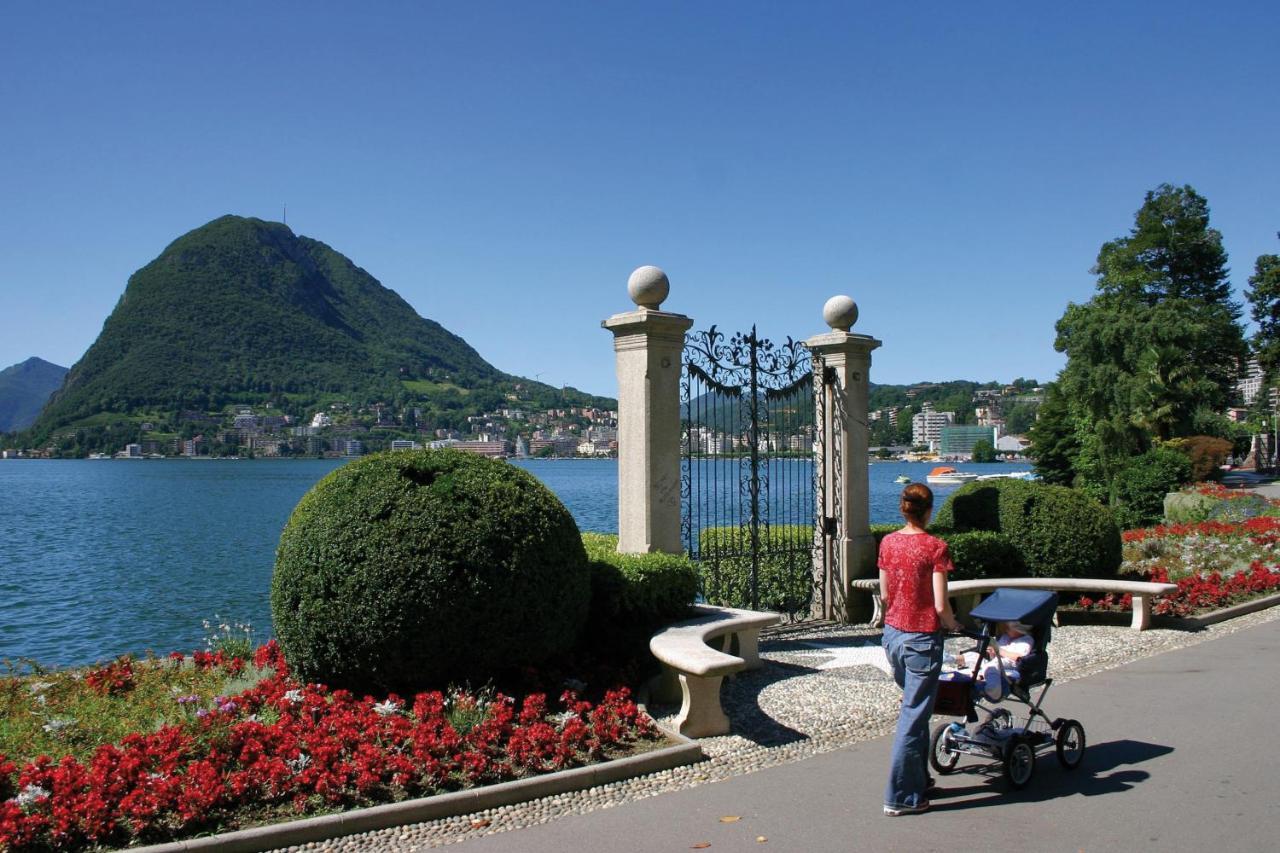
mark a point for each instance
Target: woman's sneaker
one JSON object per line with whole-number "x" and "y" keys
{"x": 897, "y": 811}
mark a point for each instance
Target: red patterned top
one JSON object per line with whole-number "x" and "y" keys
{"x": 909, "y": 561}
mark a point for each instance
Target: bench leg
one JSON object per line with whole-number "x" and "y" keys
{"x": 749, "y": 647}
{"x": 700, "y": 712}
{"x": 877, "y": 611}
{"x": 665, "y": 686}
{"x": 1141, "y": 613}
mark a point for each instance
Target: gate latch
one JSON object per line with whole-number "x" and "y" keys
{"x": 828, "y": 525}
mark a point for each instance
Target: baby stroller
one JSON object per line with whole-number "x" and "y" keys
{"x": 1011, "y": 739}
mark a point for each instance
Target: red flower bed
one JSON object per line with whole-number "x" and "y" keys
{"x": 1263, "y": 529}
{"x": 298, "y": 746}
{"x": 1197, "y": 592}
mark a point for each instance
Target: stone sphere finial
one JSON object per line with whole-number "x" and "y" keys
{"x": 840, "y": 313}
{"x": 648, "y": 286}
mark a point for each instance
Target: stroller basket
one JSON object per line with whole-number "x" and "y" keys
{"x": 955, "y": 698}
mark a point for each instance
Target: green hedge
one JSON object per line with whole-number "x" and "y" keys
{"x": 976, "y": 554}
{"x": 1059, "y": 532}
{"x": 1140, "y": 486}
{"x": 785, "y": 579}
{"x": 634, "y": 594}
{"x": 400, "y": 571}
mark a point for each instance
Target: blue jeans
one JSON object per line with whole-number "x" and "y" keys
{"x": 916, "y": 658}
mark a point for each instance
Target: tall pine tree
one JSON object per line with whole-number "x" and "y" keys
{"x": 1160, "y": 342}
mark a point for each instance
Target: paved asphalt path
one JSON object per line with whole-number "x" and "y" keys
{"x": 1183, "y": 751}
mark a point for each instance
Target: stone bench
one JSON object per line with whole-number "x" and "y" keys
{"x": 697, "y": 654}
{"x": 1144, "y": 592}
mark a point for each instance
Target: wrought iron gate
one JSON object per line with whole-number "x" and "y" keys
{"x": 747, "y": 473}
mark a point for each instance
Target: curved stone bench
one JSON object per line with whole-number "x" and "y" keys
{"x": 697, "y": 654}
{"x": 1144, "y": 592}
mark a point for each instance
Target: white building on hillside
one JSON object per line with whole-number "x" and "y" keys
{"x": 926, "y": 427}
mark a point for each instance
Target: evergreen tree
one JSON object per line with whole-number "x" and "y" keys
{"x": 1160, "y": 342}
{"x": 1054, "y": 443}
{"x": 1264, "y": 301}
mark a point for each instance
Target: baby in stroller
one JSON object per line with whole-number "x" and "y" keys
{"x": 1002, "y": 659}
{"x": 998, "y": 669}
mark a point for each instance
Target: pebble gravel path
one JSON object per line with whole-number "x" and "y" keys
{"x": 822, "y": 688}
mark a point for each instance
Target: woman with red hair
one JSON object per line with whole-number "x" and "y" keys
{"x": 913, "y": 589}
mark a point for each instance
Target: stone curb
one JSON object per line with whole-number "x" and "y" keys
{"x": 452, "y": 804}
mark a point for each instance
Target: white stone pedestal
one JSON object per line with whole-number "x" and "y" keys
{"x": 648, "y": 345}
{"x": 843, "y": 362}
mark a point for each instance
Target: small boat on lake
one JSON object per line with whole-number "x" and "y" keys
{"x": 945, "y": 475}
{"x": 902, "y": 478}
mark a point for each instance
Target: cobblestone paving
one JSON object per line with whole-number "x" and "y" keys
{"x": 804, "y": 701}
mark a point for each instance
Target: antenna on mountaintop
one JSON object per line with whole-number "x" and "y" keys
{"x": 285, "y": 216}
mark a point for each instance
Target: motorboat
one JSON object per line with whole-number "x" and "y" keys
{"x": 902, "y": 479}
{"x": 945, "y": 475}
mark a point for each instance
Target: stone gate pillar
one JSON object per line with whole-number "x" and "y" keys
{"x": 648, "y": 345}
{"x": 841, "y": 366}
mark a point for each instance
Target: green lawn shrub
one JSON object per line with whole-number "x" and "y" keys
{"x": 1059, "y": 532}
{"x": 975, "y": 553}
{"x": 632, "y": 595}
{"x": 401, "y": 571}
{"x": 1141, "y": 485}
{"x": 785, "y": 578}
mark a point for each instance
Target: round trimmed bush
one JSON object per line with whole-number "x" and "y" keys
{"x": 400, "y": 571}
{"x": 1059, "y": 532}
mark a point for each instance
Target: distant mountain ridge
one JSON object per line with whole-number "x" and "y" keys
{"x": 241, "y": 310}
{"x": 24, "y": 389}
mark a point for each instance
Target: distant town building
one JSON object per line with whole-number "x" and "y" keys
{"x": 1250, "y": 383}
{"x": 492, "y": 449}
{"x": 320, "y": 420}
{"x": 398, "y": 444}
{"x": 352, "y": 447}
{"x": 926, "y": 427}
{"x": 959, "y": 440}
{"x": 1012, "y": 444}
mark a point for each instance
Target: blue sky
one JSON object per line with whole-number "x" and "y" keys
{"x": 504, "y": 166}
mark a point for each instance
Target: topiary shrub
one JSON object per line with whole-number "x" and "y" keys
{"x": 785, "y": 579}
{"x": 979, "y": 554}
{"x": 632, "y": 595}
{"x": 975, "y": 553}
{"x": 1059, "y": 532}
{"x": 405, "y": 570}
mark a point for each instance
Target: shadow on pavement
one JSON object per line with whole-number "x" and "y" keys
{"x": 982, "y": 784}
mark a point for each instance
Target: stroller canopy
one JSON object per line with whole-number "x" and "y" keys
{"x": 1028, "y": 606}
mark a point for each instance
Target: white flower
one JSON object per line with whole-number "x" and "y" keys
{"x": 293, "y": 696}
{"x": 387, "y": 708}
{"x": 39, "y": 686}
{"x": 57, "y": 724}
{"x": 27, "y": 796}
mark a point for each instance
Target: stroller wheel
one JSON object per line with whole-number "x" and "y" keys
{"x": 942, "y": 754}
{"x": 1070, "y": 742}
{"x": 1019, "y": 763}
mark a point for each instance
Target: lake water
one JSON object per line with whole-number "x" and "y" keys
{"x": 99, "y": 558}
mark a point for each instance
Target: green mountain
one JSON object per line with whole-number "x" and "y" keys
{"x": 242, "y": 311}
{"x": 24, "y": 389}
